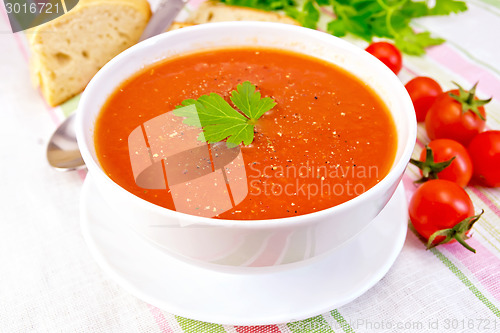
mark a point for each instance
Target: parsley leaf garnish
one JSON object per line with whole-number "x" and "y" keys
{"x": 250, "y": 102}
{"x": 220, "y": 120}
{"x": 366, "y": 19}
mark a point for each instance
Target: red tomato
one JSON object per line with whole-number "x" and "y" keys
{"x": 423, "y": 92}
{"x": 484, "y": 150}
{"x": 434, "y": 166}
{"x": 441, "y": 205}
{"x": 388, "y": 54}
{"x": 456, "y": 114}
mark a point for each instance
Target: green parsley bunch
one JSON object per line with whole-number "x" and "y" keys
{"x": 366, "y": 19}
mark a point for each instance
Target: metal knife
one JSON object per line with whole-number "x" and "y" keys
{"x": 163, "y": 17}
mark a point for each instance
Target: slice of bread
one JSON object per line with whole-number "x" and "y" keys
{"x": 218, "y": 12}
{"x": 68, "y": 51}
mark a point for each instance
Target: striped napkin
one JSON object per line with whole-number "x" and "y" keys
{"x": 49, "y": 282}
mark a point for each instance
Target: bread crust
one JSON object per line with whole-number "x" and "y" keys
{"x": 211, "y": 11}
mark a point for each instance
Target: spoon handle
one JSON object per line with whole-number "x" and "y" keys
{"x": 163, "y": 17}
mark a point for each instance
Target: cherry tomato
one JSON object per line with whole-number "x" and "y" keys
{"x": 388, "y": 54}
{"x": 442, "y": 206}
{"x": 423, "y": 92}
{"x": 445, "y": 159}
{"x": 484, "y": 150}
{"x": 456, "y": 114}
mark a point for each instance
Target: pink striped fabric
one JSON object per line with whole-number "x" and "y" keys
{"x": 490, "y": 204}
{"x": 160, "y": 319}
{"x": 450, "y": 58}
{"x": 258, "y": 329}
{"x": 483, "y": 267}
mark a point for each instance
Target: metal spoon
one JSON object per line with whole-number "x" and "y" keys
{"x": 62, "y": 151}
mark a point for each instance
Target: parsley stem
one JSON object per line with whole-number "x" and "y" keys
{"x": 388, "y": 22}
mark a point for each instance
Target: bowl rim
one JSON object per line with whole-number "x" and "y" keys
{"x": 391, "y": 178}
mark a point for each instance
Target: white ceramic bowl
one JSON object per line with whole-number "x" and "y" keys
{"x": 256, "y": 243}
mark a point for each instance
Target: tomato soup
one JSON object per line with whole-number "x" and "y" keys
{"x": 328, "y": 139}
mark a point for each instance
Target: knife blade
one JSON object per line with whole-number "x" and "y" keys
{"x": 163, "y": 17}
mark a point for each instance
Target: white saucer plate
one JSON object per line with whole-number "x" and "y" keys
{"x": 242, "y": 297}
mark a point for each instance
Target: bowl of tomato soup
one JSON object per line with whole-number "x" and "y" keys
{"x": 323, "y": 162}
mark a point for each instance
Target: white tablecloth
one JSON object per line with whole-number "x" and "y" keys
{"x": 49, "y": 282}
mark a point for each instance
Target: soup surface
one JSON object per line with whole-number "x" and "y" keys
{"x": 328, "y": 139}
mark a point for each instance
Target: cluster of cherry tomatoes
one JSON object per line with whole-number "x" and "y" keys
{"x": 459, "y": 150}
